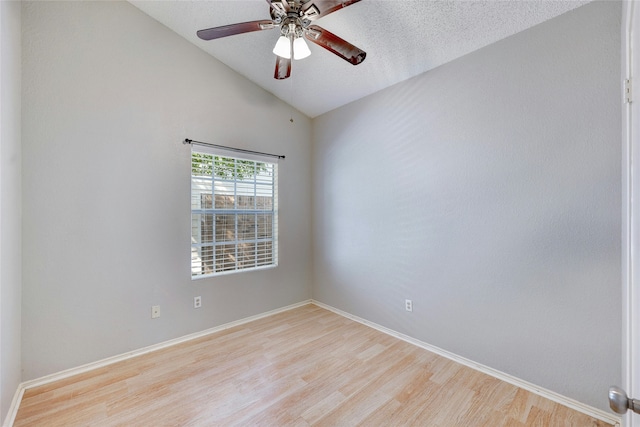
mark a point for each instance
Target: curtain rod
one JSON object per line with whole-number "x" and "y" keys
{"x": 238, "y": 150}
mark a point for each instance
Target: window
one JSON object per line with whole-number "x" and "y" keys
{"x": 233, "y": 212}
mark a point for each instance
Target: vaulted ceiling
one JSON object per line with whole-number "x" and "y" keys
{"x": 402, "y": 38}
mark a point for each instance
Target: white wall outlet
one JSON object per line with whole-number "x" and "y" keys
{"x": 155, "y": 311}
{"x": 408, "y": 305}
{"x": 197, "y": 302}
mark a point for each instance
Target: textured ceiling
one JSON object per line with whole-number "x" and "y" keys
{"x": 402, "y": 39}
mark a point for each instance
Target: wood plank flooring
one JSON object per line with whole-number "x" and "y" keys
{"x": 304, "y": 367}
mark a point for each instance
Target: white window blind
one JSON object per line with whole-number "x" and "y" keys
{"x": 234, "y": 207}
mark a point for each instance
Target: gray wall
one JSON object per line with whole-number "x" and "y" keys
{"x": 108, "y": 96}
{"x": 488, "y": 191}
{"x": 10, "y": 204}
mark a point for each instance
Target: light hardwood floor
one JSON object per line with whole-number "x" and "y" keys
{"x": 306, "y": 366}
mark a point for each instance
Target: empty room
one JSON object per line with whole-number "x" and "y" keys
{"x": 329, "y": 213}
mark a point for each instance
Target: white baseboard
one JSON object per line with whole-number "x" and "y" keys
{"x": 553, "y": 396}
{"x": 15, "y": 404}
{"x": 13, "y": 409}
{"x": 540, "y": 391}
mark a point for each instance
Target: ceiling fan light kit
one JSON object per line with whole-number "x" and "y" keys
{"x": 291, "y": 41}
{"x": 294, "y": 18}
{"x": 300, "y": 49}
{"x": 283, "y": 47}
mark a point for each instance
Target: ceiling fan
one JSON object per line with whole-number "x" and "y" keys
{"x": 293, "y": 18}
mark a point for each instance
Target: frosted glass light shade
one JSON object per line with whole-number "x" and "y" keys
{"x": 283, "y": 47}
{"x": 300, "y": 49}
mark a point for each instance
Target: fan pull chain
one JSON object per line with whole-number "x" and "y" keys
{"x": 291, "y": 97}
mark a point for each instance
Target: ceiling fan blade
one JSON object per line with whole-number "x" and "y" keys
{"x": 283, "y": 68}
{"x": 233, "y": 29}
{"x": 313, "y": 10}
{"x": 335, "y": 44}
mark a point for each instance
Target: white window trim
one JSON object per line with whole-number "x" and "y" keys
{"x": 216, "y": 151}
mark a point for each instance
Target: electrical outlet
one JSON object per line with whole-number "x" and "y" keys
{"x": 197, "y": 302}
{"x": 408, "y": 305}
{"x": 155, "y": 311}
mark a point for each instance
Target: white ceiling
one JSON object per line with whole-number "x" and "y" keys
{"x": 402, "y": 39}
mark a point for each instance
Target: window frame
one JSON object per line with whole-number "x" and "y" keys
{"x": 214, "y": 246}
